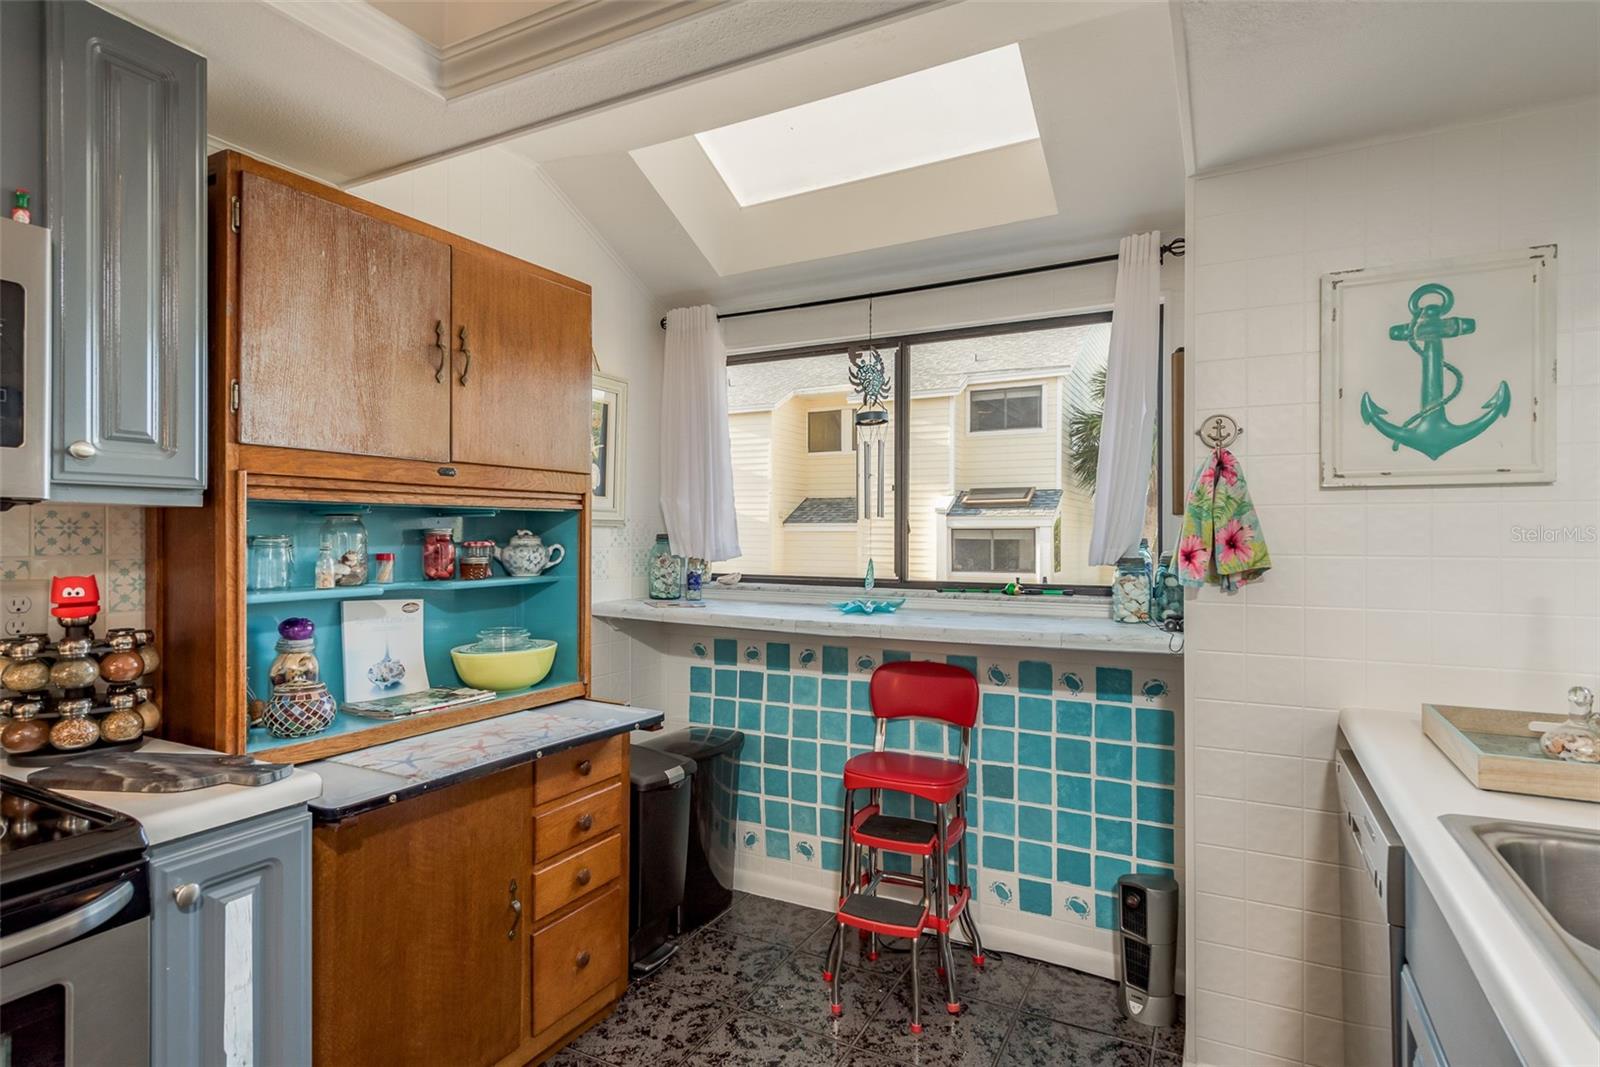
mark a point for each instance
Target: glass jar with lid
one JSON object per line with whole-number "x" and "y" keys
{"x": 145, "y": 640}
{"x": 122, "y": 663}
{"x": 26, "y": 732}
{"x": 297, "y": 658}
{"x": 664, "y": 571}
{"x": 26, "y": 673}
{"x": 123, "y": 724}
{"x": 1130, "y": 590}
{"x": 74, "y": 729}
{"x": 438, "y": 555}
{"x": 75, "y": 669}
{"x": 271, "y": 561}
{"x": 346, "y": 535}
{"x": 476, "y": 557}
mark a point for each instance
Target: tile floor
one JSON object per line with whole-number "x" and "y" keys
{"x": 748, "y": 990}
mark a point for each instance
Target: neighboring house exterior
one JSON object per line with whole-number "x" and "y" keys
{"x": 991, "y": 497}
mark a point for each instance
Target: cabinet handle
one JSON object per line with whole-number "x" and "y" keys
{"x": 82, "y": 450}
{"x": 584, "y": 876}
{"x": 467, "y": 354}
{"x": 438, "y": 342}
{"x": 585, "y": 823}
{"x": 583, "y": 959}
{"x": 186, "y": 896}
{"x": 584, "y": 767}
{"x": 516, "y": 913}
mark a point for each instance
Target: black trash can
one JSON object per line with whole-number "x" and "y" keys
{"x": 659, "y": 840}
{"x": 708, "y": 887}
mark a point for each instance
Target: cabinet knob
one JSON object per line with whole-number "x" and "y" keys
{"x": 583, "y": 959}
{"x": 516, "y": 912}
{"x": 82, "y": 450}
{"x": 586, "y": 823}
{"x": 186, "y": 896}
{"x": 584, "y": 876}
{"x": 584, "y": 767}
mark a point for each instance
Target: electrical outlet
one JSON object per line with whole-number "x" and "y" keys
{"x": 27, "y": 607}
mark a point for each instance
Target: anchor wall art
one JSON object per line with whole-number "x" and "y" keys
{"x": 1441, "y": 373}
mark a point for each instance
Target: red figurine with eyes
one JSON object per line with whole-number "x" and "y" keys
{"x": 75, "y": 599}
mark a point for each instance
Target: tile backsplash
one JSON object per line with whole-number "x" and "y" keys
{"x": 42, "y": 541}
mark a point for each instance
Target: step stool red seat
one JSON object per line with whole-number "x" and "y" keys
{"x": 932, "y": 778}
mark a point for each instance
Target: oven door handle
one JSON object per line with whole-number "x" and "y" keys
{"x": 63, "y": 928}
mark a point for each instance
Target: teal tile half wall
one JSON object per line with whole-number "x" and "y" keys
{"x": 1073, "y": 770}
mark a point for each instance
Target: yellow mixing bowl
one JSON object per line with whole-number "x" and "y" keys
{"x": 515, "y": 668}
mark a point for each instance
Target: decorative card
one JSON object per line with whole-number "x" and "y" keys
{"x": 382, "y": 649}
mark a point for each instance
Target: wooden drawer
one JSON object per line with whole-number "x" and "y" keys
{"x": 577, "y": 768}
{"x": 579, "y": 956}
{"x": 557, "y": 884}
{"x": 586, "y": 817}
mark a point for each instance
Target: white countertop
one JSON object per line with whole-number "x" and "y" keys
{"x": 170, "y": 816}
{"x": 1005, "y": 624}
{"x": 1416, "y": 784}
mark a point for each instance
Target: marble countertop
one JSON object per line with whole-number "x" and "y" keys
{"x": 170, "y": 816}
{"x": 1003, "y": 625}
{"x": 1416, "y": 784}
{"x": 385, "y": 774}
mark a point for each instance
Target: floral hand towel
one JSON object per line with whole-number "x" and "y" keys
{"x": 1221, "y": 542}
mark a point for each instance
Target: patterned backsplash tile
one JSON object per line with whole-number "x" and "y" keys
{"x": 42, "y": 541}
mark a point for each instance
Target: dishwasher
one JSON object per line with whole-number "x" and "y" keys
{"x": 1373, "y": 931}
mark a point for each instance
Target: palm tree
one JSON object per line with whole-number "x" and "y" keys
{"x": 1083, "y": 433}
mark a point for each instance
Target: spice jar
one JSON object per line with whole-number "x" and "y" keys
{"x": 27, "y": 672}
{"x": 26, "y": 732}
{"x": 384, "y": 572}
{"x": 346, "y": 535}
{"x": 297, "y": 658}
{"x": 122, "y": 663}
{"x": 123, "y": 723}
{"x": 74, "y": 729}
{"x": 76, "y": 669}
{"x": 438, "y": 555}
{"x": 149, "y": 712}
{"x": 326, "y": 572}
{"x": 146, "y": 642}
{"x": 475, "y": 559}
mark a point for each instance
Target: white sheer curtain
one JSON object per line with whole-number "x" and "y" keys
{"x": 1122, "y": 480}
{"x": 696, "y": 458}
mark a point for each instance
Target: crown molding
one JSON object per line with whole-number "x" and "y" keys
{"x": 372, "y": 35}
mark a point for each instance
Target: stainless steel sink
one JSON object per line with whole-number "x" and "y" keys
{"x": 1549, "y": 876}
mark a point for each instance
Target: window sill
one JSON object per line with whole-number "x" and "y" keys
{"x": 997, "y": 623}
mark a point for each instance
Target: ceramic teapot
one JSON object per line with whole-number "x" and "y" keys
{"x": 526, "y": 555}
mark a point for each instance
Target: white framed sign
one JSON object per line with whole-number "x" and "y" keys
{"x": 608, "y": 428}
{"x": 1441, "y": 373}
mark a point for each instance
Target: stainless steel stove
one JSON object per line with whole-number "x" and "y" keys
{"x": 74, "y": 933}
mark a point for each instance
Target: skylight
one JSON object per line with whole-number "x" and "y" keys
{"x": 955, "y": 109}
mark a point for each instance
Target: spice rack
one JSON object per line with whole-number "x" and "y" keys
{"x": 129, "y": 698}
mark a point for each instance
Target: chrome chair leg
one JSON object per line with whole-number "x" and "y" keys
{"x": 941, "y": 877}
{"x": 969, "y": 925}
{"x": 836, "y": 962}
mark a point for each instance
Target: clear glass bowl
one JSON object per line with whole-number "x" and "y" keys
{"x": 500, "y": 639}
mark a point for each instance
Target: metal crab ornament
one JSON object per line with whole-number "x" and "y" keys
{"x": 869, "y": 376}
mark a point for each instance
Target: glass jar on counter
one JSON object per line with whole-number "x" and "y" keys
{"x": 297, "y": 658}
{"x": 122, "y": 663}
{"x": 26, "y": 673}
{"x": 476, "y": 557}
{"x": 383, "y": 571}
{"x": 149, "y": 711}
{"x": 74, "y": 729}
{"x": 346, "y": 535}
{"x": 1130, "y": 590}
{"x": 438, "y": 555}
{"x": 145, "y": 640}
{"x": 123, "y": 723}
{"x": 697, "y": 572}
{"x": 76, "y": 669}
{"x": 664, "y": 571}
{"x": 271, "y": 561}
{"x": 26, "y": 732}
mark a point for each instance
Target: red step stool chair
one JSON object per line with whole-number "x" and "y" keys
{"x": 909, "y": 690}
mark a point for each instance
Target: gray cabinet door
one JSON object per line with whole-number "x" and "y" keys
{"x": 126, "y": 163}
{"x": 230, "y": 945}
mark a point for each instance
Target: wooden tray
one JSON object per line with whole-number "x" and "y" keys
{"x": 1496, "y": 750}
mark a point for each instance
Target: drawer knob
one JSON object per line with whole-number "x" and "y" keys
{"x": 586, "y": 823}
{"x": 583, "y": 959}
{"x": 584, "y": 767}
{"x": 584, "y": 875}
{"x": 82, "y": 450}
{"x": 186, "y": 896}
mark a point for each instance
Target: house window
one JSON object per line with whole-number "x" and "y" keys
{"x": 825, "y": 431}
{"x": 993, "y": 551}
{"x": 1007, "y": 409}
{"x": 924, "y": 501}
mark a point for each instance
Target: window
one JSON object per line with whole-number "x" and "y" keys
{"x": 825, "y": 431}
{"x": 819, "y": 497}
{"x": 993, "y": 551}
{"x": 1007, "y": 409}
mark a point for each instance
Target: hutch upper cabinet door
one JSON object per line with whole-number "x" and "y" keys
{"x": 522, "y": 366}
{"x": 126, "y": 162}
{"x": 343, "y": 321}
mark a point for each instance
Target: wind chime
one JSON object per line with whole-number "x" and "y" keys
{"x": 869, "y": 376}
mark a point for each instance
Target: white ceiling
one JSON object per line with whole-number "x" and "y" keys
{"x": 1269, "y": 78}
{"x": 1107, "y": 162}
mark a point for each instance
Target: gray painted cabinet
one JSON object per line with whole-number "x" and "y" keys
{"x": 230, "y": 945}
{"x": 125, "y": 162}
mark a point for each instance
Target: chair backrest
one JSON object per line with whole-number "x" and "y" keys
{"x": 913, "y": 689}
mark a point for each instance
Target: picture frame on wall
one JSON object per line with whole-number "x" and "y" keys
{"x": 1441, "y": 373}
{"x": 608, "y": 425}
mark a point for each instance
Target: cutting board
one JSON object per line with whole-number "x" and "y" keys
{"x": 158, "y": 772}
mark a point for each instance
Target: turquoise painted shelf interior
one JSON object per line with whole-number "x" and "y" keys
{"x": 453, "y": 611}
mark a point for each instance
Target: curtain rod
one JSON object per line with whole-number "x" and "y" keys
{"x": 1174, "y": 247}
